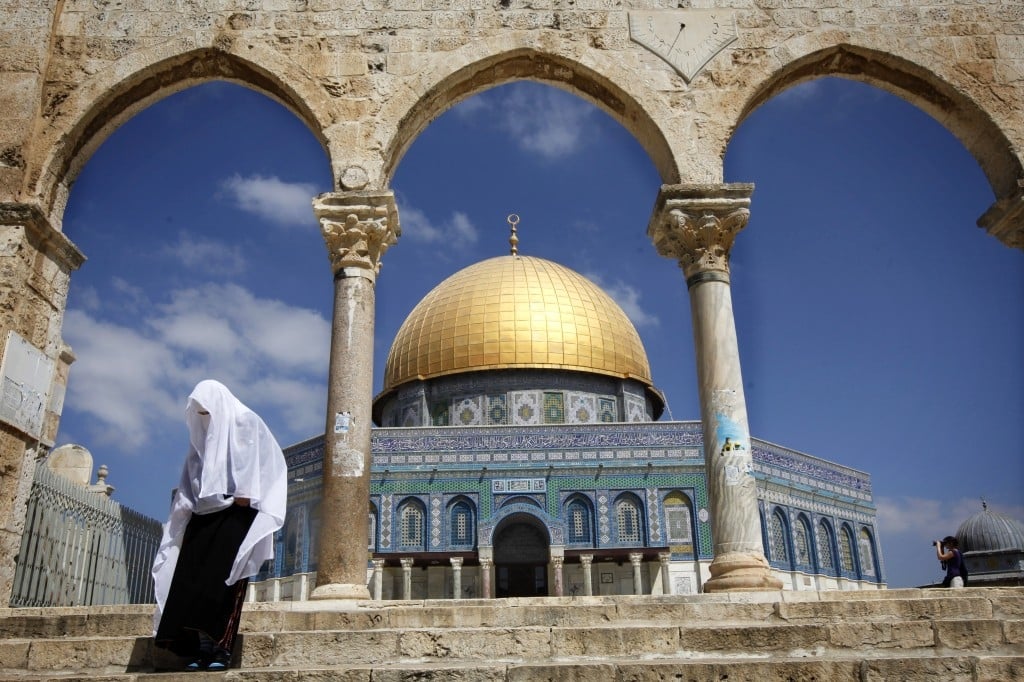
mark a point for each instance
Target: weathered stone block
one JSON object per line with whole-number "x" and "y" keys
{"x": 968, "y": 635}
{"x": 953, "y": 669}
{"x": 475, "y": 644}
{"x": 334, "y": 648}
{"x": 905, "y": 635}
{"x": 615, "y": 641}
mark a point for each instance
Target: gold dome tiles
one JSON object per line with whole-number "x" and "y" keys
{"x": 515, "y": 312}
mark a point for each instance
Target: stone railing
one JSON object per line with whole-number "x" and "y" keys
{"x": 81, "y": 548}
{"x": 294, "y": 587}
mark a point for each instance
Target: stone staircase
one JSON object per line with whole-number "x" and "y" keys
{"x": 972, "y": 635}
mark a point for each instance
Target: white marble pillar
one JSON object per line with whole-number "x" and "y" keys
{"x": 665, "y": 558}
{"x": 557, "y": 564}
{"x": 696, "y": 225}
{"x": 358, "y": 227}
{"x": 406, "y": 578}
{"x": 636, "y": 559}
{"x": 456, "y": 577}
{"x": 586, "y": 562}
{"x": 485, "y": 577}
{"x": 378, "y": 579}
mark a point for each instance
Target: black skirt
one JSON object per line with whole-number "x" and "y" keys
{"x": 200, "y": 609}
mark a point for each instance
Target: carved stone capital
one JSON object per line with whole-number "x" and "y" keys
{"x": 696, "y": 225}
{"x": 49, "y": 241}
{"x": 1004, "y": 220}
{"x": 358, "y": 227}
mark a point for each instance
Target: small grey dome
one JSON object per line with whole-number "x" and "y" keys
{"x": 989, "y": 531}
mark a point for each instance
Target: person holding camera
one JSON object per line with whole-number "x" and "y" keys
{"x": 948, "y": 552}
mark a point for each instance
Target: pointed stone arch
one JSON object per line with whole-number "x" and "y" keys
{"x": 79, "y": 122}
{"x": 592, "y": 75}
{"x": 960, "y": 112}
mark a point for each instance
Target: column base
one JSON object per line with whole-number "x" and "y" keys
{"x": 340, "y": 591}
{"x": 741, "y": 572}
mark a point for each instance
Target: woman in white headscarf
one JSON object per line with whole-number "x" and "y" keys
{"x": 224, "y": 512}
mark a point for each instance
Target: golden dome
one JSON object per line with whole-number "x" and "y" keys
{"x": 516, "y": 312}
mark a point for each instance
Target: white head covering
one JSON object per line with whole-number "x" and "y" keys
{"x": 231, "y": 453}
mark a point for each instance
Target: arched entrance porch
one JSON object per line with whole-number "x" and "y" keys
{"x": 521, "y": 554}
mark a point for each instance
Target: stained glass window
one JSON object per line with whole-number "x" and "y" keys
{"x": 627, "y": 513}
{"x": 579, "y": 522}
{"x": 777, "y": 538}
{"x": 410, "y": 531}
{"x": 801, "y": 543}
{"x": 825, "y": 546}
{"x": 846, "y": 549}
{"x": 867, "y": 556}
{"x": 462, "y": 524}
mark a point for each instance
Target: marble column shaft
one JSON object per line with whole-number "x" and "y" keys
{"x": 666, "y": 577}
{"x": 696, "y": 225}
{"x": 358, "y": 227}
{"x": 586, "y": 562}
{"x": 456, "y": 563}
{"x": 406, "y": 578}
{"x": 636, "y": 559}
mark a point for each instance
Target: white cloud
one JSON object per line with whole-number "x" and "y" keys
{"x": 546, "y": 121}
{"x": 133, "y": 380}
{"x": 457, "y": 230}
{"x": 908, "y": 525}
{"x": 284, "y": 203}
{"x": 543, "y": 120}
{"x": 206, "y": 255}
{"x": 628, "y": 298}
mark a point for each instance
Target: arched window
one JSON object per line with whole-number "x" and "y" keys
{"x": 577, "y": 519}
{"x": 867, "y": 554}
{"x": 679, "y": 519}
{"x": 802, "y": 542}
{"x": 627, "y": 515}
{"x": 846, "y": 550}
{"x": 372, "y": 533}
{"x": 410, "y": 525}
{"x": 777, "y": 538}
{"x": 461, "y": 522}
{"x": 824, "y": 538}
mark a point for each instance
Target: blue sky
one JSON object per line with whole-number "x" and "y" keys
{"x": 878, "y": 326}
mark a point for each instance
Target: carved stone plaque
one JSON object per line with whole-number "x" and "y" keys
{"x": 686, "y": 39}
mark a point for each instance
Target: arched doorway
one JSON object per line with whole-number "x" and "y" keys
{"x": 521, "y": 557}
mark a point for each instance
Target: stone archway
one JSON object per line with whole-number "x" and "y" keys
{"x": 521, "y": 555}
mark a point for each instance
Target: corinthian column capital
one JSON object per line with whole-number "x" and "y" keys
{"x": 358, "y": 227}
{"x": 696, "y": 225}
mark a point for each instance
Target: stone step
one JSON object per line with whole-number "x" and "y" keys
{"x": 951, "y": 668}
{"x": 854, "y": 635}
{"x": 587, "y": 611}
{"x": 533, "y": 644}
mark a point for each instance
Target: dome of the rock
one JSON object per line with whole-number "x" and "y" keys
{"x": 516, "y": 312}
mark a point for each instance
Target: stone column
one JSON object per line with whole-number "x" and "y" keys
{"x": 636, "y": 558}
{"x": 588, "y": 574}
{"x": 406, "y": 578}
{"x": 456, "y": 577}
{"x": 36, "y": 262}
{"x": 557, "y": 563}
{"x": 666, "y": 579}
{"x": 378, "y": 579}
{"x": 485, "y": 578}
{"x": 358, "y": 227}
{"x": 696, "y": 225}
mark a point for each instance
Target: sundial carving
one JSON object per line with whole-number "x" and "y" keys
{"x": 686, "y": 39}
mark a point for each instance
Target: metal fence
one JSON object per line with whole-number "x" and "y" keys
{"x": 80, "y": 548}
